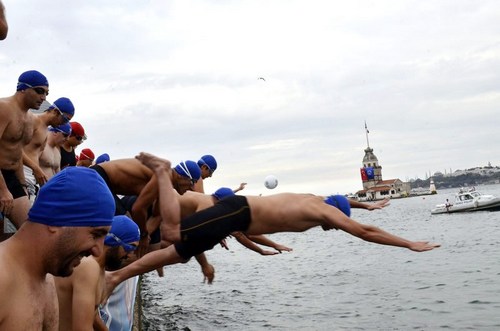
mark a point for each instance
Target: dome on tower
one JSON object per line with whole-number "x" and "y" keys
{"x": 369, "y": 156}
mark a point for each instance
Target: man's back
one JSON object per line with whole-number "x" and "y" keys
{"x": 191, "y": 202}
{"x": 291, "y": 211}
{"x": 127, "y": 176}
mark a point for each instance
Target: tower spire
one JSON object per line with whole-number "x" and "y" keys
{"x": 367, "y": 132}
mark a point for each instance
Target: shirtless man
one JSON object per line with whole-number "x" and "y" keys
{"x": 50, "y": 160}
{"x": 60, "y": 112}
{"x": 131, "y": 177}
{"x": 81, "y": 293}
{"x": 191, "y": 202}
{"x": 286, "y": 212}
{"x": 4, "y": 28}
{"x": 59, "y": 232}
{"x": 16, "y": 130}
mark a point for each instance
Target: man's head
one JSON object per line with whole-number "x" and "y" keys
{"x": 340, "y": 202}
{"x": 86, "y": 158}
{"x": 61, "y": 133}
{"x": 207, "y": 164}
{"x": 222, "y": 193}
{"x": 102, "y": 158}
{"x": 63, "y": 109}
{"x": 123, "y": 238}
{"x": 77, "y": 134}
{"x": 185, "y": 175}
{"x": 76, "y": 208}
{"x": 35, "y": 88}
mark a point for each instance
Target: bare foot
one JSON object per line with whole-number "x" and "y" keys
{"x": 153, "y": 162}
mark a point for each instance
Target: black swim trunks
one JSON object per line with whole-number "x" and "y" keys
{"x": 13, "y": 183}
{"x": 205, "y": 229}
{"x": 119, "y": 207}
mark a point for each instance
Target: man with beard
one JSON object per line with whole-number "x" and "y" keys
{"x": 68, "y": 221}
{"x": 80, "y": 294}
{"x": 16, "y": 131}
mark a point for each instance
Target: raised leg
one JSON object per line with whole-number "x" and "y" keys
{"x": 170, "y": 210}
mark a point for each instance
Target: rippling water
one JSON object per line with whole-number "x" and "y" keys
{"x": 333, "y": 281}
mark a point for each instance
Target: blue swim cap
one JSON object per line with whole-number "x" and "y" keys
{"x": 31, "y": 78}
{"x": 102, "y": 158}
{"x": 209, "y": 161}
{"x": 222, "y": 193}
{"x": 340, "y": 202}
{"x": 123, "y": 232}
{"x": 188, "y": 169}
{"x": 64, "y": 128}
{"x": 76, "y": 196}
{"x": 65, "y": 105}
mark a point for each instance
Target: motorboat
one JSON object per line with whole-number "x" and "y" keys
{"x": 468, "y": 200}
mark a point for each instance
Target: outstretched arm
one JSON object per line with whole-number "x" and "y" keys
{"x": 263, "y": 240}
{"x": 336, "y": 219}
{"x": 147, "y": 263}
{"x": 369, "y": 206}
{"x": 241, "y": 187}
{"x": 245, "y": 241}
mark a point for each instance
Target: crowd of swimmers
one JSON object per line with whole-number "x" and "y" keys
{"x": 83, "y": 224}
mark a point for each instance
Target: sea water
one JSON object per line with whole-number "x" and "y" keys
{"x": 334, "y": 281}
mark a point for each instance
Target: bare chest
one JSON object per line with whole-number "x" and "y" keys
{"x": 32, "y": 309}
{"x": 20, "y": 129}
{"x": 50, "y": 158}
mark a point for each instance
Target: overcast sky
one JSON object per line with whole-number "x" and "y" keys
{"x": 181, "y": 79}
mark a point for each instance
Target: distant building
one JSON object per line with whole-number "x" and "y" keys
{"x": 432, "y": 187}
{"x": 374, "y": 187}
